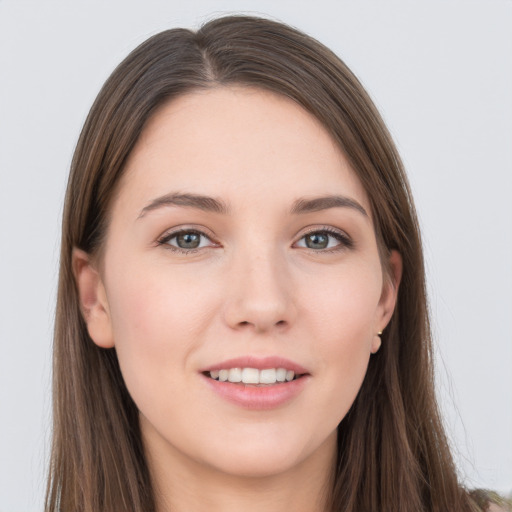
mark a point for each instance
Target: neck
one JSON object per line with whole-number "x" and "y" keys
{"x": 184, "y": 485}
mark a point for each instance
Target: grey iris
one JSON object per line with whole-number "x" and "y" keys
{"x": 317, "y": 241}
{"x": 188, "y": 240}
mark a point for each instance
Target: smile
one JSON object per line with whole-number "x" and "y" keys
{"x": 267, "y": 376}
{"x": 257, "y": 383}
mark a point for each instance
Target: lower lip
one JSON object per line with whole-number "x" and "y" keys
{"x": 258, "y": 397}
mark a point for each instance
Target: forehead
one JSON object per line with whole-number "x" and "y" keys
{"x": 237, "y": 142}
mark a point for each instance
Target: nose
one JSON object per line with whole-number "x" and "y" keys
{"x": 260, "y": 295}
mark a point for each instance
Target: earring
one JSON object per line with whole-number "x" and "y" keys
{"x": 377, "y": 342}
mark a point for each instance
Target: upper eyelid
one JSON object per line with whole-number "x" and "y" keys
{"x": 328, "y": 229}
{"x": 208, "y": 233}
{"x": 172, "y": 233}
{"x": 331, "y": 230}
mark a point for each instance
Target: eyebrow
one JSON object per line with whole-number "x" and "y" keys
{"x": 213, "y": 205}
{"x": 205, "y": 203}
{"x": 324, "y": 203}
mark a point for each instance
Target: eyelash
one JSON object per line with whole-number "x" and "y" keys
{"x": 165, "y": 239}
{"x": 344, "y": 240}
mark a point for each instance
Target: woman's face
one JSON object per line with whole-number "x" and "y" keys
{"x": 240, "y": 241}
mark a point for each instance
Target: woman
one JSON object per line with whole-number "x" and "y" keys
{"x": 242, "y": 316}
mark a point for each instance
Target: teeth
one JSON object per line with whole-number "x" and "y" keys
{"x": 250, "y": 376}
{"x": 280, "y": 375}
{"x": 235, "y": 375}
{"x": 268, "y": 376}
{"x": 253, "y": 375}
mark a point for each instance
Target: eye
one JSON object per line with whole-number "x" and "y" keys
{"x": 186, "y": 240}
{"x": 325, "y": 239}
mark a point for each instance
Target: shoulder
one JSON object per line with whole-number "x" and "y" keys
{"x": 493, "y": 507}
{"x": 490, "y": 501}
{"x": 497, "y": 508}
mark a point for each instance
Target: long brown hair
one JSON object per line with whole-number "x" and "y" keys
{"x": 393, "y": 455}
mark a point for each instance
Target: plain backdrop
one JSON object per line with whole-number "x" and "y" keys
{"x": 441, "y": 74}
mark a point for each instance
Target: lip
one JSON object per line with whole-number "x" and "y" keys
{"x": 260, "y": 363}
{"x": 258, "y": 397}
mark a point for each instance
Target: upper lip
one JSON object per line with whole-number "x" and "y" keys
{"x": 260, "y": 363}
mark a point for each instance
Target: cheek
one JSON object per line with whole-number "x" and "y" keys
{"x": 342, "y": 321}
{"x": 157, "y": 322}
{"x": 345, "y": 307}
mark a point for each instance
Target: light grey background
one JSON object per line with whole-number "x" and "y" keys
{"x": 441, "y": 73}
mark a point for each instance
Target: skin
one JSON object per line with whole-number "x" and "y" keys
{"x": 253, "y": 287}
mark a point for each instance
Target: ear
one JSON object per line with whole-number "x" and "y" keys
{"x": 388, "y": 296}
{"x": 93, "y": 299}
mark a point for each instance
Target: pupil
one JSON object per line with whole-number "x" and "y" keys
{"x": 317, "y": 241}
{"x": 188, "y": 240}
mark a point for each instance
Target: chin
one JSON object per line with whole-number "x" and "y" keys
{"x": 266, "y": 457}
{"x": 253, "y": 463}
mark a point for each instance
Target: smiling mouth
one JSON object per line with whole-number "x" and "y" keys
{"x": 253, "y": 376}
